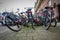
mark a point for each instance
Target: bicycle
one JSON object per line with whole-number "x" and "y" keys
{"x": 47, "y": 19}
{"x": 30, "y": 17}
{"x": 53, "y": 18}
{"x": 12, "y": 21}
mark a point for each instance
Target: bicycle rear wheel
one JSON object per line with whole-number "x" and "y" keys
{"x": 12, "y": 25}
{"x": 53, "y": 22}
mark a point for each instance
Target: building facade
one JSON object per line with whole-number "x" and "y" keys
{"x": 40, "y": 4}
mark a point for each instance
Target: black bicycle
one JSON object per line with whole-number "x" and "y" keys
{"x": 12, "y": 22}
{"x": 30, "y": 17}
{"x": 48, "y": 18}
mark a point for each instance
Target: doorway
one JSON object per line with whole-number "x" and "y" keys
{"x": 59, "y": 12}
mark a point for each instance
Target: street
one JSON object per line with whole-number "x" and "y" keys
{"x": 29, "y": 34}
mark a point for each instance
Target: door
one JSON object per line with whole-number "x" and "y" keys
{"x": 59, "y": 11}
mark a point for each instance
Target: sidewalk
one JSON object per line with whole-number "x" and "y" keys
{"x": 29, "y": 34}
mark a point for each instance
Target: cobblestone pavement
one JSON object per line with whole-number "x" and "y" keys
{"x": 29, "y": 34}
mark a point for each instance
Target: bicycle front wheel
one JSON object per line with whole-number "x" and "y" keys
{"x": 12, "y": 25}
{"x": 47, "y": 21}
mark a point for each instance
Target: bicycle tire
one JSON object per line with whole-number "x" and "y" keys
{"x": 13, "y": 22}
{"x": 55, "y": 22}
{"x": 48, "y": 26}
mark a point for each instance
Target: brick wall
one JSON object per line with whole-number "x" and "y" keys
{"x": 43, "y": 4}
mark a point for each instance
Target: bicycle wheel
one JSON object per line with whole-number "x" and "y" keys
{"x": 53, "y": 22}
{"x": 47, "y": 21}
{"x": 12, "y": 25}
